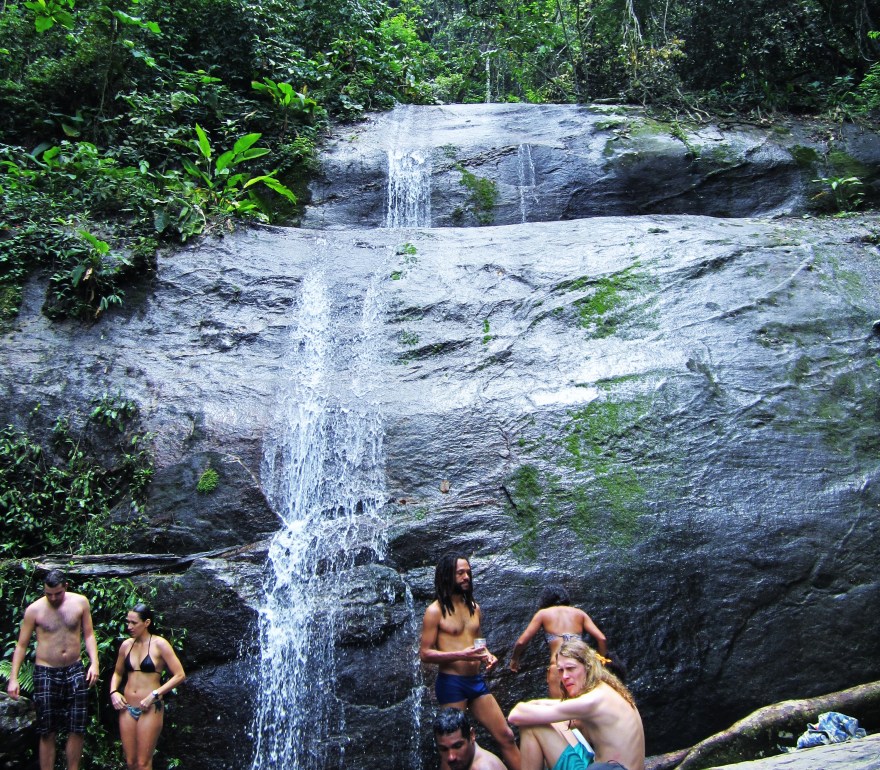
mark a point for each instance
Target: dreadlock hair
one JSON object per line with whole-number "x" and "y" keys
{"x": 596, "y": 673}
{"x": 444, "y": 584}
{"x": 553, "y": 595}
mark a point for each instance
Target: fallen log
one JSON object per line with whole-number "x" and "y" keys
{"x": 665, "y": 761}
{"x": 124, "y": 564}
{"x": 760, "y": 733}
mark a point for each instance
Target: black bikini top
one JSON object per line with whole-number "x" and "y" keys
{"x": 147, "y": 665}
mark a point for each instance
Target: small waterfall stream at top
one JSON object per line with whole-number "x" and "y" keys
{"x": 323, "y": 475}
{"x": 527, "y": 182}
{"x": 409, "y": 181}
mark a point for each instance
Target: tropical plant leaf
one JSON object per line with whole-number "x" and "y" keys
{"x": 244, "y": 142}
{"x": 224, "y": 160}
{"x": 204, "y": 144}
{"x": 25, "y": 674}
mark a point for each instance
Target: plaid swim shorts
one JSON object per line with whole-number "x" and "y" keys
{"x": 62, "y": 698}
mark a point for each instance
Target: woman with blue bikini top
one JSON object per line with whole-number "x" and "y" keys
{"x": 561, "y": 623}
{"x": 141, "y": 661}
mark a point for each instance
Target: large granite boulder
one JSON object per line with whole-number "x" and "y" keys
{"x": 17, "y": 728}
{"x": 552, "y": 162}
{"x": 675, "y": 416}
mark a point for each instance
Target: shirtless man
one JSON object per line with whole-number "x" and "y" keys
{"x": 449, "y": 630}
{"x": 62, "y": 621}
{"x": 597, "y": 707}
{"x": 456, "y": 742}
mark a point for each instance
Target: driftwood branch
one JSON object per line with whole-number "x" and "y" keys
{"x": 760, "y": 733}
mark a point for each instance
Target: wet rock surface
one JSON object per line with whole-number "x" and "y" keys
{"x": 674, "y": 416}
{"x": 862, "y": 754}
{"x": 17, "y": 720}
{"x": 552, "y": 162}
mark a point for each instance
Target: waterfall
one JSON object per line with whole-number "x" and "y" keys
{"x": 527, "y": 181}
{"x": 409, "y": 188}
{"x": 323, "y": 475}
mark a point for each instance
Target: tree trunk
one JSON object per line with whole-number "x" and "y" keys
{"x": 760, "y": 733}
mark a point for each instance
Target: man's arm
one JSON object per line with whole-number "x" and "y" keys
{"x": 532, "y": 628}
{"x": 545, "y": 711}
{"x": 88, "y": 631}
{"x": 24, "y": 639}
{"x": 428, "y": 652}
{"x": 593, "y": 630}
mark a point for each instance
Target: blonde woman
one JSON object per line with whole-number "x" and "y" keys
{"x": 141, "y": 662}
{"x": 600, "y": 711}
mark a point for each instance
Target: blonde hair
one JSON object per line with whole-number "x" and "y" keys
{"x": 580, "y": 651}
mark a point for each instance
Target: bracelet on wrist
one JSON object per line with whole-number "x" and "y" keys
{"x": 115, "y": 691}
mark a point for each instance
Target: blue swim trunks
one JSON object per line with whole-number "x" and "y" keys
{"x": 453, "y": 688}
{"x": 574, "y": 758}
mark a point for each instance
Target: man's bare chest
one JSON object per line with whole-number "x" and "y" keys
{"x": 63, "y": 620}
{"x": 460, "y": 624}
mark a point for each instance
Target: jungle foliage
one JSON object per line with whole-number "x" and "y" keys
{"x": 58, "y": 494}
{"x": 128, "y": 126}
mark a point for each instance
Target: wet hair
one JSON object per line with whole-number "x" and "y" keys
{"x": 450, "y": 720}
{"x": 553, "y": 595}
{"x": 444, "y": 584}
{"x": 596, "y": 673}
{"x": 143, "y": 612}
{"x": 55, "y": 578}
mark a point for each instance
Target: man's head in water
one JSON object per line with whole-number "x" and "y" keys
{"x": 455, "y": 739}
{"x": 453, "y": 578}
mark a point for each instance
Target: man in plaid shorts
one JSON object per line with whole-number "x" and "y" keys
{"x": 62, "y": 620}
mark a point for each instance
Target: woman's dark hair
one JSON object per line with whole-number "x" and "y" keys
{"x": 143, "y": 612}
{"x": 553, "y": 595}
{"x": 444, "y": 584}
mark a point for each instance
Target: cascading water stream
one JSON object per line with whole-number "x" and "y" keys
{"x": 527, "y": 182}
{"x": 323, "y": 474}
{"x": 409, "y": 182}
{"x": 409, "y": 189}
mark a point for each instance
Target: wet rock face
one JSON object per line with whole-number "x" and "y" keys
{"x": 17, "y": 718}
{"x": 552, "y": 162}
{"x": 674, "y": 416}
{"x": 853, "y": 755}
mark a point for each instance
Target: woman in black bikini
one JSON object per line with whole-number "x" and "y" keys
{"x": 561, "y": 623}
{"x": 141, "y": 661}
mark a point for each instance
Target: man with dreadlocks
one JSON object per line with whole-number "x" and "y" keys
{"x": 602, "y": 718}
{"x": 449, "y": 632}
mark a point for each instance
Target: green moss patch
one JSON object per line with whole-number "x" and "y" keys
{"x": 608, "y": 301}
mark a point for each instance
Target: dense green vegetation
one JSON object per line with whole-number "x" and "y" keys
{"x": 127, "y": 126}
{"x": 59, "y": 496}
